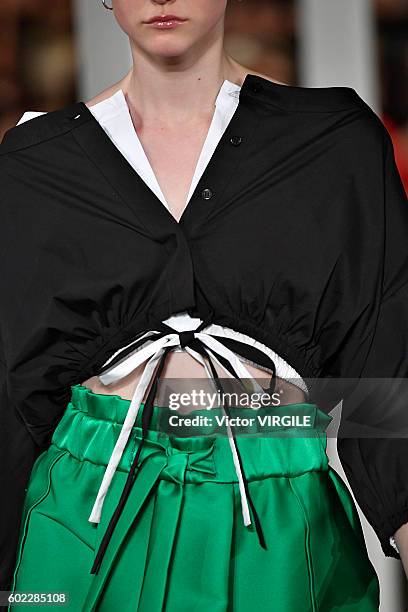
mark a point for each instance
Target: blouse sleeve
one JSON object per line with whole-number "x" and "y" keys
{"x": 18, "y": 452}
{"x": 373, "y": 435}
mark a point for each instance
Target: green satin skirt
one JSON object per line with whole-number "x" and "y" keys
{"x": 180, "y": 544}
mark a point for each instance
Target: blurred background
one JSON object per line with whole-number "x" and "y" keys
{"x": 55, "y": 52}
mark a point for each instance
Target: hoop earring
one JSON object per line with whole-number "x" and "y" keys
{"x": 110, "y": 8}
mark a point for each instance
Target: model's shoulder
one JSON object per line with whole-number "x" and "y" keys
{"x": 296, "y": 98}
{"x": 35, "y": 127}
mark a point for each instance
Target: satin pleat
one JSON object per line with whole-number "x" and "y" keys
{"x": 180, "y": 544}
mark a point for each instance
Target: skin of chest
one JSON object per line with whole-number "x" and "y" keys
{"x": 173, "y": 154}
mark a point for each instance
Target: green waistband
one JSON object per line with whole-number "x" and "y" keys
{"x": 302, "y": 416}
{"x": 92, "y": 422}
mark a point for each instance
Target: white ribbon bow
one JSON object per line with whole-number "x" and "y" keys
{"x": 151, "y": 352}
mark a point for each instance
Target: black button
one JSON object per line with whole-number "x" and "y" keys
{"x": 206, "y": 194}
{"x": 236, "y": 140}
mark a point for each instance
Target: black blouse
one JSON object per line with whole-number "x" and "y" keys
{"x": 296, "y": 234}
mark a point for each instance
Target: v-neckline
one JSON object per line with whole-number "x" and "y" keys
{"x": 128, "y": 184}
{"x": 118, "y": 111}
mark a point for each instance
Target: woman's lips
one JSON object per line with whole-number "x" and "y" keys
{"x": 166, "y": 23}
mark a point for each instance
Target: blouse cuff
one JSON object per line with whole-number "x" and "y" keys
{"x": 393, "y": 523}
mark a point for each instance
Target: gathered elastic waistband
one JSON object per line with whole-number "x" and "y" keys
{"x": 114, "y": 408}
{"x": 92, "y": 422}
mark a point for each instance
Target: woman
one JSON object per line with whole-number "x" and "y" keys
{"x": 121, "y": 268}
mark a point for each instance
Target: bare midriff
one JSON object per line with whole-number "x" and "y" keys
{"x": 182, "y": 365}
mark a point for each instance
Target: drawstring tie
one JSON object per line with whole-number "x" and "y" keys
{"x": 153, "y": 347}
